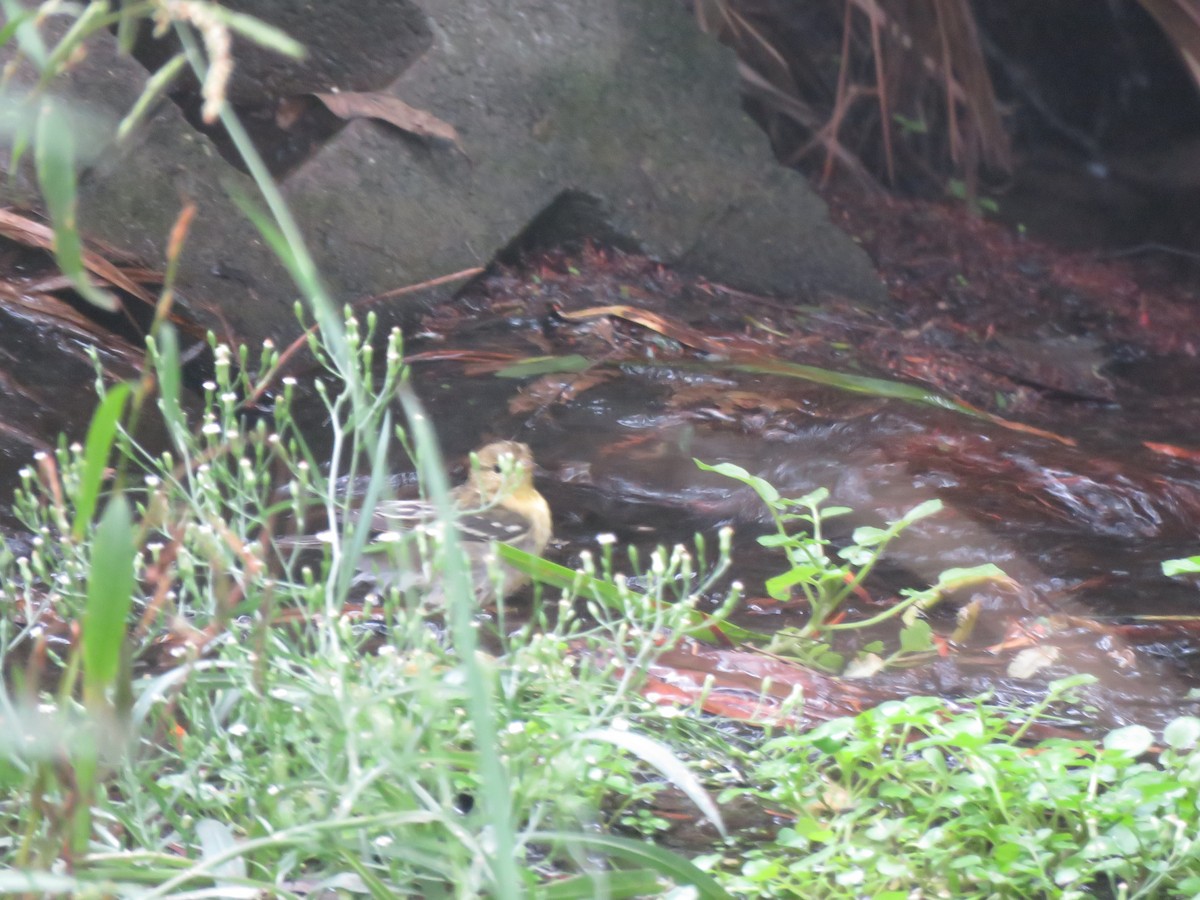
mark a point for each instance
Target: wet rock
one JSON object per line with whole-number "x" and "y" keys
{"x": 620, "y": 100}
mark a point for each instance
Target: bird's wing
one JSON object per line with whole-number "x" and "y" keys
{"x": 402, "y": 515}
{"x": 497, "y": 523}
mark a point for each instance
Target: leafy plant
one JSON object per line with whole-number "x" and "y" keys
{"x": 923, "y": 792}
{"x": 825, "y": 579}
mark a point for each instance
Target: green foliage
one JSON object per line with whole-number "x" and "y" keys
{"x": 397, "y": 750}
{"x": 294, "y": 744}
{"x": 922, "y": 792}
{"x": 826, "y": 580}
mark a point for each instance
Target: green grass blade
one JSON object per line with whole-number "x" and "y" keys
{"x": 460, "y": 606}
{"x": 659, "y": 755}
{"x": 668, "y": 864}
{"x": 111, "y": 584}
{"x": 858, "y": 384}
{"x": 551, "y": 573}
{"x": 29, "y": 39}
{"x": 92, "y": 18}
{"x": 155, "y": 85}
{"x": 546, "y": 365}
{"x": 54, "y": 156}
{"x": 361, "y": 530}
{"x": 14, "y": 22}
{"x": 260, "y": 32}
{"x": 627, "y": 883}
{"x": 169, "y": 370}
{"x": 101, "y": 434}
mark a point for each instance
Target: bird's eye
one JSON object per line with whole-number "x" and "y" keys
{"x": 496, "y": 468}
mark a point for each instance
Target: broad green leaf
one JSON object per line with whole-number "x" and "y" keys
{"x": 869, "y": 535}
{"x": 780, "y": 586}
{"x": 1182, "y": 733}
{"x": 917, "y": 637}
{"x": 1133, "y": 740}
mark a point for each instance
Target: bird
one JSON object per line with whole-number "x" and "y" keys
{"x": 498, "y": 503}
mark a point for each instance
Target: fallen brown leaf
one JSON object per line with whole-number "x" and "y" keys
{"x": 393, "y": 110}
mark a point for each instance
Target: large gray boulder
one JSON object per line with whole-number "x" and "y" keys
{"x": 624, "y": 101}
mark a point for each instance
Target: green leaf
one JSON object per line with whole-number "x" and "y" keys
{"x": 1182, "y": 733}
{"x": 1188, "y": 566}
{"x": 101, "y": 433}
{"x": 917, "y": 637}
{"x": 54, "y": 157}
{"x": 665, "y": 862}
{"x": 859, "y": 384}
{"x": 920, "y": 511}
{"x": 111, "y": 584}
{"x": 661, "y": 757}
{"x": 1132, "y": 740}
{"x": 956, "y": 579}
{"x": 92, "y": 17}
{"x": 626, "y": 883}
{"x": 763, "y": 488}
{"x": 869, "y": 535}
{"x": 546, "y": 572}
{"x": 780, "y": 587}
{"x": 545, "y": 365}
{"x": 260, "y": 32}
{"x": 14, "y": 22}
{"x": 154, "y": 87}
{"x": 170, "y": 378}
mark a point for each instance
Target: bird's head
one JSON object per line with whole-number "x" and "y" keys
{"x": 501, "y": 469}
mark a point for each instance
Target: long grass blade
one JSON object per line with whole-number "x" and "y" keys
{"x": 111, "y": 584}
{"x": 98, "y": 446}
